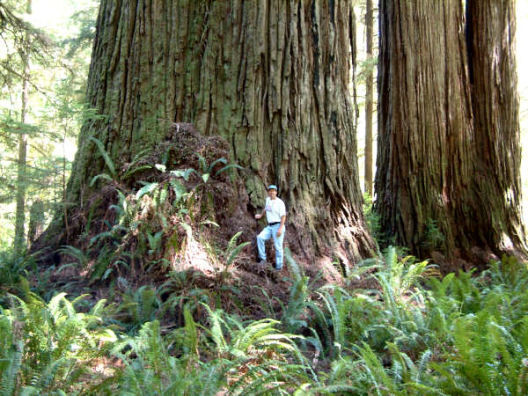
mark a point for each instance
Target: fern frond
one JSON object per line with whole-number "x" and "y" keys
{"x": 106, "y": 157}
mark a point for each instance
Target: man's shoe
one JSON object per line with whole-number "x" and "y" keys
{"x": 262, "y": 262}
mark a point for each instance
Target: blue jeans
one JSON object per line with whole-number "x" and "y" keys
{"x": 266, "y": 234}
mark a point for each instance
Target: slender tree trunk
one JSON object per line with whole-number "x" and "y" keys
{"x": 20, "y": 216}
{"x": 491, "y": 36}
{"x": 272, "y": 77}
{"x": 36, "y": 221}
{"x": 369, "y": 88}
{"x": 445, "y": 175}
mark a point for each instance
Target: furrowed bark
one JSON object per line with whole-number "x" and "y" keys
{"x": 491, "y": 37}
{"x": 448, "y": 159}
{"x": 272, "y": 77}
{"x": 425, "y": 126}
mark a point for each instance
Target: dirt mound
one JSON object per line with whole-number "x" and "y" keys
{"x": 182, "y": 216}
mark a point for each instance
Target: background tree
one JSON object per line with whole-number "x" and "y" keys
{"x": 271, "y": 77}
{"x": 369, "y": 99}
{"x": 20, "y": 216}
{"x": 55, "y": 87}
{"x": 430, "y": 167}
{"x": 493, "y": 77}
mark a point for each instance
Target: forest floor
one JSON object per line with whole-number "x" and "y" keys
{"x": 246, "y": 288}
{"x": 176, "y": 303}
{"x": 188, "y": 231}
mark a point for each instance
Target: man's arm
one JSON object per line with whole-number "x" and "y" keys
{"x": 258, "y": 216}
{"x": 281, "y": 228}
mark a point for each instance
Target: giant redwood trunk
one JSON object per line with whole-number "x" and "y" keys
{"x": 435, "y": 187}
{"x": 425, "y": 129}
{"x": 491, "y": 27}
{"x": 273, "y": 78}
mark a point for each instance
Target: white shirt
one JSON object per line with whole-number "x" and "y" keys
{"x": 275, "y": 209}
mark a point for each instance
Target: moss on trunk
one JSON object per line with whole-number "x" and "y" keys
{"x": 274, "y": 78}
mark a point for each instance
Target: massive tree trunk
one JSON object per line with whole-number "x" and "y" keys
{"x": 425, "y": 128}
{"x": 274, "y": 78}
{"x": 492, "y": 68}
{"x": 431, "y": 180}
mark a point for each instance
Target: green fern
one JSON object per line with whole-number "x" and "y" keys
{"x": 294, "y": 315}
{"x": 11, "y": 356}
{"x": 14, "y": 270}
{"x": 80, "y": 257}
{"x": 135, "y": 166}
{"x": 337, "y": 304}
{"x": 233, "y": 250}
{"x": 49, "y": 346}
{"x": 138, "y": 307}
{"x": 381, "y": 381}
{"x": 108, "y": 161}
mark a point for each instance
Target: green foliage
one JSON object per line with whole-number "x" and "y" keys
{"x": 295, "y": 313}
{"x": 138, "y": 307}
{"x": 399, "y": 277}
{"x": 414, "y": 333}
{"x": 459, "y": 335}
{"x": 143, "y": 219}
{"x": 373, "y": 220}
{"x": 46, "y": 348}
{"x": 243, "y": 358}
{"x": 79, "y": 256}
{"x": 108, "y": 161}
{"x": 135, "y": 166}
{"x": 231, "y": 252}
{"x": 207, "y": 170}
{"x": 149, "y": 220}
{"x": 14, "y": 271}
{"x": 367, "y": 66}
{"x": 55, "y": 109}
{"x": 433, "y": 237}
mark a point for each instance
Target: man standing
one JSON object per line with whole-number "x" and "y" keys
{"x": 276, "y": 216}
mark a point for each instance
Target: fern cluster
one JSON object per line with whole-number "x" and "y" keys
{"x": 414, "y": 333}
{"x": 422, "y": 335}
{"x": 50, "y": 348}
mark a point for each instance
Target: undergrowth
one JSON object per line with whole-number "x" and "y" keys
{"x": 414, "y": 333}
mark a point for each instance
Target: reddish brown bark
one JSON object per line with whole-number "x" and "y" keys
{"x": 272, "y": 77}
{"x": 443, "y": 180}
{"x": 491, "y": 26}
